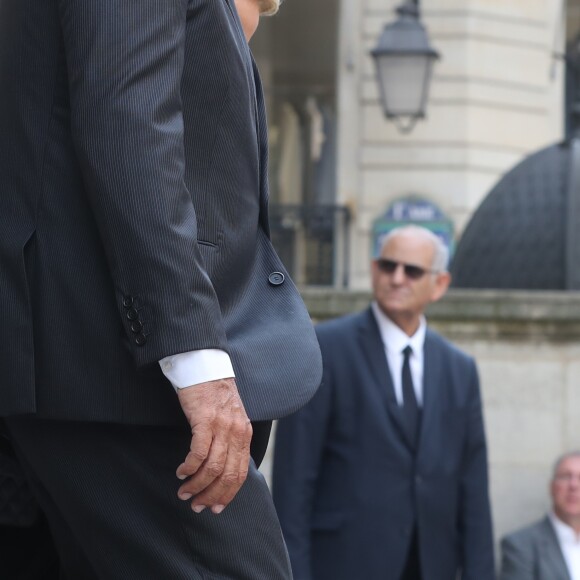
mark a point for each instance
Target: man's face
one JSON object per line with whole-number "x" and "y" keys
{"x": 402, "y": 297}
{"x": 565, "y": 489}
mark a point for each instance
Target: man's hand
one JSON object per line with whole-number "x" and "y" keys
{"x": 219, "y": 455}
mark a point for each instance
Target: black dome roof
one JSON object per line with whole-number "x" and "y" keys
{"x": 517, "y": 237}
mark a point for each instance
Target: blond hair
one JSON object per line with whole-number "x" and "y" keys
{"x": 269, "y": 7}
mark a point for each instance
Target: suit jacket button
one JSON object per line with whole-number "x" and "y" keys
{"x": 128, "y": 301}
{"x": 132, "y": 314}
{"x": 276, "y": 278}
{"x": 140, "y": 340}
{"x": 136, "y": 326}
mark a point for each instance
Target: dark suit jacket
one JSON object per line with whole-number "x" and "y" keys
{"x": 533, "y": 553}
{"x": 347, "y": 485}
{"x": 133, "y": 212}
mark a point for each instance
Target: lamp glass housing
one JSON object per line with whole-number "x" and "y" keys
{"x": 404, "y": 83}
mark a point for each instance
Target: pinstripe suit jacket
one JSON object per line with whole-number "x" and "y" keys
{"x": 133, "y": 212}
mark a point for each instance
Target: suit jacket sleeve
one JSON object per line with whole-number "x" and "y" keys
{"x": 475, "y": 512}
{"x": 517, "y": 562}
{"x": 299, "y": 448}
{"x": 125, "y": 61}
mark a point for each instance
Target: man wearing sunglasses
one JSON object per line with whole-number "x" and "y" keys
{"x": 383, "y": 475}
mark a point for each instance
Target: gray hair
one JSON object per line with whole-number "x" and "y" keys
{"x": 269, "y": 7}
{"x": 441, "y": 253}
{"x": 562, "y": 458}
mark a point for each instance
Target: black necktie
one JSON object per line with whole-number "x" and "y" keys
{"x": 410, "y": 407}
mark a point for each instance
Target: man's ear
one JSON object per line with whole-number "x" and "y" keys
{"x": 374, "y": 273}
{"x": 442, "y": 282}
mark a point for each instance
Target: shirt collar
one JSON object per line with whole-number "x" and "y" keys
{"x": 565, "y": 533}
{"x": 395, "y": 339}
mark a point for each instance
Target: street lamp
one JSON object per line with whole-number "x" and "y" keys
{"x": 404, "y": 62}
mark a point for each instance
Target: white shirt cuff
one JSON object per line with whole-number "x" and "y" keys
{"x": 198, "y": 366}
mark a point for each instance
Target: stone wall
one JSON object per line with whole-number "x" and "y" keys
{"x": 527, "y": 346}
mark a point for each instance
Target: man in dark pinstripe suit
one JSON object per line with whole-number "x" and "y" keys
{"x": 135, "y": 255}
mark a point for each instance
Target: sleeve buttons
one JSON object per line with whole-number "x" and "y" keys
{"x": 128, "y": 301}
{"x": 132, "y": 314}
{"x": 136, "y": 326}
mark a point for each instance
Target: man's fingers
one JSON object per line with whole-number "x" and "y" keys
{"x": 201, "y": 442}
{"x": 219, "y": 493}
{"x": 209, "y": 471}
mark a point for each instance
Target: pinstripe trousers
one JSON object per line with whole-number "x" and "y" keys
{"x": 125, "y": 521}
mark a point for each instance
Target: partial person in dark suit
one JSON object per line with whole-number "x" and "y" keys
{"x": 135, "y": 255}
{"x": 550, "y": 548}
{"x": 383, "y": 476}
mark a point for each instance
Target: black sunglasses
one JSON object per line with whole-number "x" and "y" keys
{"x": 411, "y": 271}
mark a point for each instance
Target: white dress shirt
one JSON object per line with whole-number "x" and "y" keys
{"x": 395, "y": 341}
{"x": 569, "y": 544}
{"x": 195, "y": 367}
